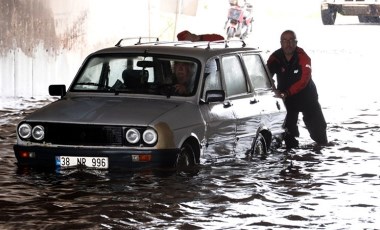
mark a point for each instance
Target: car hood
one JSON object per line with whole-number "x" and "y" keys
{"x": 117, "y": 111}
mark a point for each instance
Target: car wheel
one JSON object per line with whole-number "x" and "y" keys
{"x": 259, "y": 147}
{"x": 185, "y": 158}
{"x": 328, "y": 16}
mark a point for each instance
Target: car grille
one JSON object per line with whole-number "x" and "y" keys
{"x": 88, "y": 135}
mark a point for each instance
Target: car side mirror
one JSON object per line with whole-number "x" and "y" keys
{"x": 215, "y": 96}
{"x": 57, "y": 90}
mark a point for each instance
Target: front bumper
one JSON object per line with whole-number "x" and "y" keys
{"x": 118, "y": 158}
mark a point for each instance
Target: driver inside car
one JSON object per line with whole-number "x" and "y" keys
{"x": 183, "y": 73}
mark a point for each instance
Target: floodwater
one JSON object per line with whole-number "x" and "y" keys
{"x": 334, "y": 187}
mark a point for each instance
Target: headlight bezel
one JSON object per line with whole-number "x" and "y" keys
{"x": 24, "y": 127}
{"x": 132, "y": 140}
{"x": 143, "y": 136}
{"x": 154, "y": 136}
{"x": 28, "y": 131}
{"x": 38, "y": 132}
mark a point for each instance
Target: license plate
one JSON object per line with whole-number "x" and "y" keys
{"x": 90, "y": 162}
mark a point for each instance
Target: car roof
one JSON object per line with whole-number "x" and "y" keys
{"x": 199, "y": 50}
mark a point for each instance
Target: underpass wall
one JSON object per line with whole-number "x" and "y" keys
{"x": 44, "y": 42}
{"x": 39, "y": 42}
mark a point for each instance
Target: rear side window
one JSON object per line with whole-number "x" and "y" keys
{"x": 212, "y": 79}
{"x": 256, "y": 71}
{"x": 234, "y": 76}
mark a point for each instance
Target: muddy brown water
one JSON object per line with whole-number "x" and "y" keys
{"x": 335, "y": 187}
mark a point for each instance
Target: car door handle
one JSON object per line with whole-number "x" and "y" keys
{"x": 253, "y": 101}
{"x": 227, "y": 104}
{"x": 278, "y": 105}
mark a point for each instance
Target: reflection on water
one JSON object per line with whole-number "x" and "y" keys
{"x": 335, "y": 187}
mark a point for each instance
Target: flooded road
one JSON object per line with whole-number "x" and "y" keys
{"x": 335, "y": 187}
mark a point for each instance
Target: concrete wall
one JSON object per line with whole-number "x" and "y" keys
{"x": 44, "y": 42}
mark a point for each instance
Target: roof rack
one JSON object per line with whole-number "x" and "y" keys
{"x": 134, "y": 38}
{"x": 198, "y": 44}
{"x": 226, "y": 43}
{"x": 212, "y": 44}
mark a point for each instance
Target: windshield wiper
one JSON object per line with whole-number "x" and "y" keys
{"x": 94, "y": 84}
{"x": 88, "y": 83}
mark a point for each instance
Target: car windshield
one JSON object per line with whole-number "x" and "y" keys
{"x": 138, "y": 75}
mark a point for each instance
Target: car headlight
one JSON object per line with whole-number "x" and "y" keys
{"x": 150, "y": 136}
{"x": 132, "y": 136}
{"x": 25, "y": 131}
{"x": 38, "y": 132}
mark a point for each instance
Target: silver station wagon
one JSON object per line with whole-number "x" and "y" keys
{"x": 156, "y": 104}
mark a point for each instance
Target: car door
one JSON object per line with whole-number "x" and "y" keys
{"x": 220, "y": 121}
{"x": 272, "y": 109}
{"x": 243, "y": 101}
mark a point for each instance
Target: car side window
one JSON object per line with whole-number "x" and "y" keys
{"x": 212, "y": 77}
{"x": 234, "y": 76}
{"x": 256, "y": 71}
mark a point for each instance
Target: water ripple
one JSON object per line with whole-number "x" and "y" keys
{"x": 334, "y": 187}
